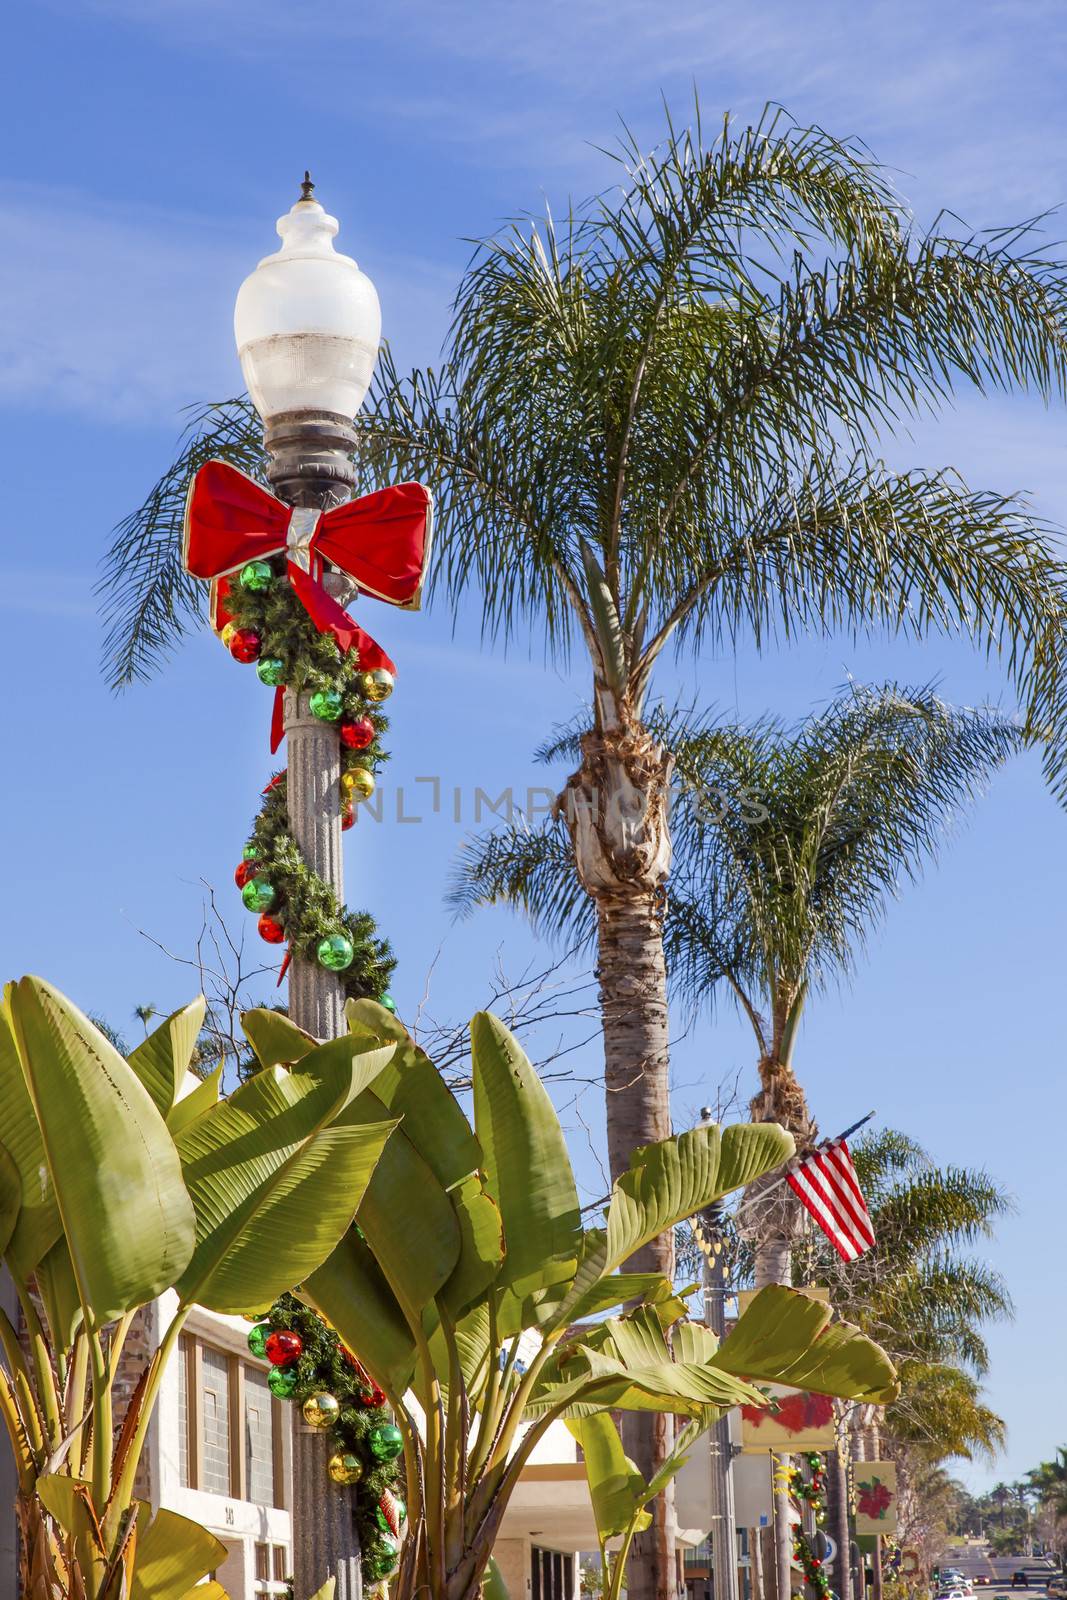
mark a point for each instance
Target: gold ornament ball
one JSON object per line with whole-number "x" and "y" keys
{"x": 357, "y": 781}
{"x": 320, "y": 1410}
{"x": 377, "y": 685}
{"x": 227, "y": 633}
{"x": 345, "y": 1467}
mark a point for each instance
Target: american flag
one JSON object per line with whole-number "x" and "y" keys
{"x": 828, "y": 1187}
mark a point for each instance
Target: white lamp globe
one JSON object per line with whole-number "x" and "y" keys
{"x": 307, "y": 321}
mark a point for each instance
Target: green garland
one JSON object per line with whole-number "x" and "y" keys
{"x": 324, "y": 1368}
{"x": 269, "y": 625}
{"x": 309, "y": 908}
{"x": 810, "y": 1490}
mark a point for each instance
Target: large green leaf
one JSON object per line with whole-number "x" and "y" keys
{"x": 276, "y": 1040}
{"x": 198, "y": 1100}
{"x": 412, "y": 1088}
{"x": 162, "y": 1060}
{"x": 666, "y": 1183}
{"x": 528, "y": 1170}
{"x": 349, "y": 1290}
{"x": 787, "y": 1337}
{"x": 117, "y": 1179}
{"x": 409, "y": 1221}
{"x": 616, "y": 1488}
{"x": 593, "y": 1381}
{"x": 10, "y": 1197}
{"x": 481, "y": 1245}
{"x": 274, "y": 1181}
{"x": 37, "y": 1224}
{"x": 172, "y": 1555}
{"x": 678, "y": 1177}
{"x": 58, "y": 1289}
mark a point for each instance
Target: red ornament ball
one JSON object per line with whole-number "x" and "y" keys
{"x": 359, "y": 734}
{"x": 245, "y": 645}
{"x": 283, "y": 1347}
{"x": 245, "y": 871}
{"x": 348, "y": 819}
{"x": 270, "y": 929}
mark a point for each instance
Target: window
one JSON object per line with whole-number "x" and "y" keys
{"x": 216, "y": 1474}
{"x": 272, "y": 1569}
{"x": 185, "y": 1351}
{"x": 551, "y": 1575}
{"x": 229, "y": 1428}
{"x": 259, "y": 1437}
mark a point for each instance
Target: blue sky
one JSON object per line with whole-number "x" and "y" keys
{"x": 147, "y": 151}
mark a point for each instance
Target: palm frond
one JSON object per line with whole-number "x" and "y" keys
{"x": 148, "y": 600}
{"x": 531, "y": 870}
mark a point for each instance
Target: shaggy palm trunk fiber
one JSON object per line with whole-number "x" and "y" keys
{"x": 616, "y": 809}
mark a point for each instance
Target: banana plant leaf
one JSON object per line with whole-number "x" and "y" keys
{"x": 275, "y": 1039}
{"x": 412, "y": 1088}
{"x": 527, "y": 1168}
{"x": 616, "y": 1488}
{"x": 105, "y": 1153}
{"x": 350, "y": 1291}
{"x": 786, "y": 1337}
{"x": 274, "y": 1180}
{"x": 666, "y": 1183}
{"x": 198, "y": 1100}
{"x": 162, "y": 1060}
{"x": 172, "y": 1555}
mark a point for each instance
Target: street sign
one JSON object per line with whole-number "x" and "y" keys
{"x": 825, "y": 1548}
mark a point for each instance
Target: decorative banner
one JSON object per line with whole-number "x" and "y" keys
{"x": 802, "y": 1421}
{"x": 876, "y": 1497}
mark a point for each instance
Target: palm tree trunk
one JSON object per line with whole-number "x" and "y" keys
{"x": 780, "y": 1100}
{"x": 633, "y": 998}
{"x": 616, "y": 810}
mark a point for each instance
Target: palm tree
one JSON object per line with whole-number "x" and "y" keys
{"x": 660, "y": 423}
{"x": 789, "y": 846}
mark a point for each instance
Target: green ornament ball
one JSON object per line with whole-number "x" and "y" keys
{"x": 385, "y": 1441}
{"x": 326, "y": 704}
{"x": 250, "y": 852}
{"x": 257, "y": 1340}
{"x": 258, "y": 894}
{"x": 281, "y": 1381}
{"x": 335, "y": 952}
{"x": 383, "y": 1557}
{"x": 271, "y": 671}
{"x": 388, "y": 1002}
{"x": 256, "y": 576}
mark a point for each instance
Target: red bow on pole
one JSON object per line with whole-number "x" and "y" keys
{"x": 381, "y": 541}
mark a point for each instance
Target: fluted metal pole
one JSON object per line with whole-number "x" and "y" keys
{"x": 721, "y": 1451}
{"x": 311, "y": 466}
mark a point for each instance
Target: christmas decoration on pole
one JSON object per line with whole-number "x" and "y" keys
{"x": 338, "y": 1398}
{"x": 811, "y": 1490}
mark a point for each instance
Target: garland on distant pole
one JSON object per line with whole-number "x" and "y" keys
{"x": 269, "y": 626}
{"x": 312, "y": 1368}
{"x": 811, "y": 1491}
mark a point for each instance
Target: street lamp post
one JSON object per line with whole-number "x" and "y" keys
{"x": 721, "y": 1450}
{"x": 307, "y": 325}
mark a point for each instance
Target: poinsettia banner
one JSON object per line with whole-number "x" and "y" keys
{"x": 798, "y": 1421}
{"x": 876, "y": 1496}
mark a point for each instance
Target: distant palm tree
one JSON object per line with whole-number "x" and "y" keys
{"x": 145, "y": 1014}
{"x": 660, "y": 424}
{"x": 789, "y": 845}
